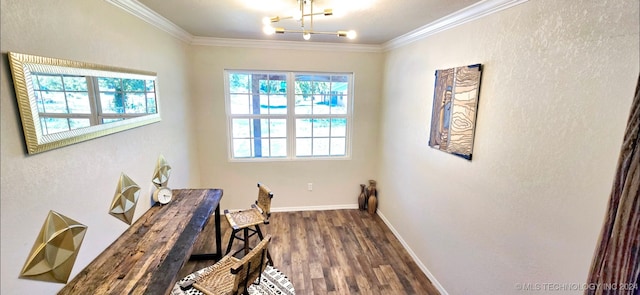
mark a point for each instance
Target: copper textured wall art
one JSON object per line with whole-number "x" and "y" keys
{"x": 125, "y": 199}
{"x": 55, "y": 250}
{"x": 455, "y": 103}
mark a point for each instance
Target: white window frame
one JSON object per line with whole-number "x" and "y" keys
{"x": 290, "y": 116}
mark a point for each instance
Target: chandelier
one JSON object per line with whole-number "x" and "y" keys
{"x": 305, "y": 19}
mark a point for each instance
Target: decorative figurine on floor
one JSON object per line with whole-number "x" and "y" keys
{"x": 372, "y": 196}
{"x": 362, "y": 198}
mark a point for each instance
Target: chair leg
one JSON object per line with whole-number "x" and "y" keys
{"x": 259, "y": 232}
{"x": 246, "y": 241}
{"x": 233, "y": 236}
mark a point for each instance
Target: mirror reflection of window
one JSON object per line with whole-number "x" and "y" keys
{"x": 63, "y": 102}
{"x": 68, "y": 102}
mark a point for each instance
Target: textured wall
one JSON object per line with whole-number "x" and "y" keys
{"x": 335, "y": 182}
{"x": 79, "y": 180}
{"x": 556, "y": 88}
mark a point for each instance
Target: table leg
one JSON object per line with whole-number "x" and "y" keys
{"x": 218, "y": 233}
{"x": 218, "y": 254}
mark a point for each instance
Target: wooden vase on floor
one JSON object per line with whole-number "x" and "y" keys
{"x": 373, "y": 204}
{"x": 362, "y": 198}
{"x": 372, "y": 194}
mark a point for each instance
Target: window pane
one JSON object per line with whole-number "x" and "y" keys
{"x": 54, "y": 102}
{"x": 321, "y": 104}
{"x": 320, "y": 127}
{"x": 278, "y": 104}
{"x": 50, "y": 82}
{"x": 264, "y": 105}
{"x": 264, "y": 144}
{"x": 339, "y": 104}
{"x": 277, "y": 87}
{"x": 278, "y": 127}
{"x": 112, "y": 102}
{"x": 264, "y": 127}
{"x": 338, "y": 127}
{"x": 241, "y": 128}
{"x": 279, "y": 147}
{"x": 338, "y": 146}
{"x": 320, "y": 146}
{"x": 303, "y": 128}
{"x": 242, "y": 148}
{"x": 109, "y": 84}
{"x": 239, "y": 104}
{"x": 135, "y": 103}
{"x": 151, "y": 86}
{"x": 79, "y": 123}
{"x": 303, "y": 105}
{"x": 322, "y": 87}
{"x": 340, "y": 78}
{"x": 133, "y": 85}
{"x": 239, "y": 83}
{"x": 55, "y": 125}
{"x": 303, "y": 87}
{"x": 151, "y": 103}
{"x": 75, "y": 83}
{"x": 303, "y": 147}
{"x": 78, "y": 103}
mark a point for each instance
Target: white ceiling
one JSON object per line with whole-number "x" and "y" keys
{"x": 375, "y": 21}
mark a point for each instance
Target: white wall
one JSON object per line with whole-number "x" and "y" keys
{"x": 335, "y": 182}
{"x": 79, "y": 181}
{"x": 557, "y": 84}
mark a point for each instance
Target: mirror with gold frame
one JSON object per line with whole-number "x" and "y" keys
{"x": 62, "y": 102}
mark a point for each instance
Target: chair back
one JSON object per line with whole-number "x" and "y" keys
{"x": 250, "y": 267}
{"x": 264, "y": 199}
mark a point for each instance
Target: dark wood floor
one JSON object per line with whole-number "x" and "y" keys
{"x": 332, "y": 252}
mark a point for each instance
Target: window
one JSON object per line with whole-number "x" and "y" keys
{"x": 68, "y": 102}
{"x": 288, "y": 115}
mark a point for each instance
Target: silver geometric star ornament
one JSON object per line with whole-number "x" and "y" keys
{"x": 55, "y": 249}
{"x": 125, "y": 199}
{"x": 161, "y": 173}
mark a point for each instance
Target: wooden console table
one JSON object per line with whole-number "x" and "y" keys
{"x": 146, "y": 258}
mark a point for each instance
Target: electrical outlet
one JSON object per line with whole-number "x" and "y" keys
{"x": 310, "y": 186}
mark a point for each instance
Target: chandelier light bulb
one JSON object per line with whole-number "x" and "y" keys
{"x": 269, "y": 30}
{"x": 306, "y": 35}
{"x": 352, "y": 34}
{"x": 266, "y": 21}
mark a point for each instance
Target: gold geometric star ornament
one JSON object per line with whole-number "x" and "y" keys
{"x": 161, "y": 173}
{"x": 125, "y": 199}
{"x": 55, "y": 250}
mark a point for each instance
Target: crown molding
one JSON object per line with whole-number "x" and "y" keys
{"x": 144, "y": 13}
{"x": 277, "y": 44}
{"x": 475, "y": 11}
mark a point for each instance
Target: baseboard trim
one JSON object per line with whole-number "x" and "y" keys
{"x": 315, "y": 208}
{"x": 413, "y": 255}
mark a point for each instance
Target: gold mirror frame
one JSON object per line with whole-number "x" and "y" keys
{"x": 22, "y": 67}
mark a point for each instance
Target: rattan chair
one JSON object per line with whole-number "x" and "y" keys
{"x": 248, "y": 221}
{"x": 234, "y": 276}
